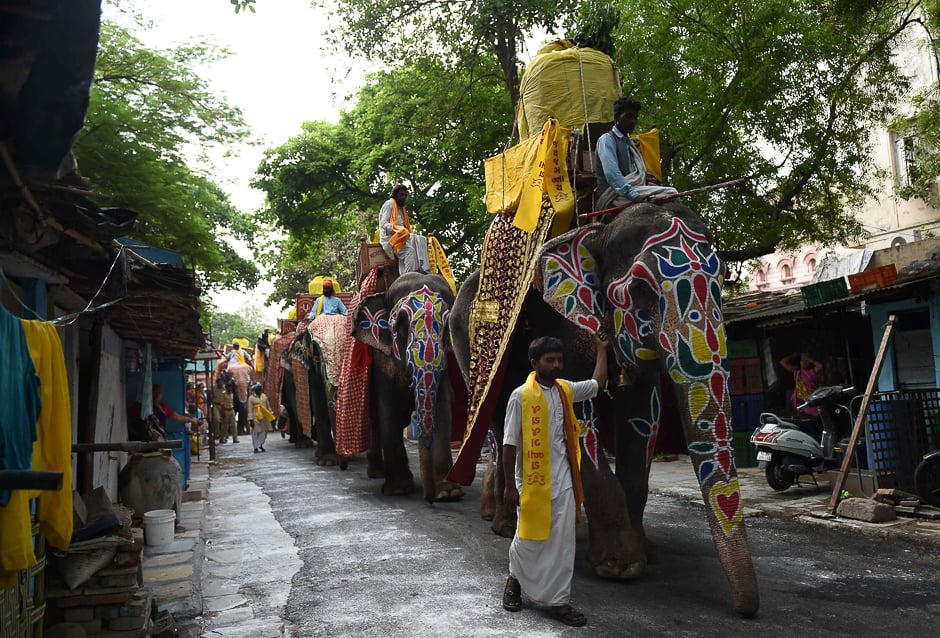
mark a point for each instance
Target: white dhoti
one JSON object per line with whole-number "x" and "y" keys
{"x": 413, "y": 256}
{"x": 544, "y": 568}
{"x": 609, "y": 198}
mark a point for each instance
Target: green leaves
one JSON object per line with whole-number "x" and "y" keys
{"x": 427, "y": 124}
{"x": 148, "y": 109}
{"x": 783, "y": 92}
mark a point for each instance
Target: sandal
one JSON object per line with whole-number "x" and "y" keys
{"x": 568, "y": 615}
{"x": 512, "y": 595}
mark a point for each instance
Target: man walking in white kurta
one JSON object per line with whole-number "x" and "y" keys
{"x": 541, "y": 556}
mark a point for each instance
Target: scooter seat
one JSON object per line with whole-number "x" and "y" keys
{"x": 770, "y": 417}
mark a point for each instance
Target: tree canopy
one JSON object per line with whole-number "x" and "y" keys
{"x": 783, "y": 92}
{"x": 427, "y": 124}
{"x": 396, "y": 31}
{"x": 149, "y": 110}
{"x": 247, "y": 324}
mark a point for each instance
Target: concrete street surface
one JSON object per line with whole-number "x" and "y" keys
{"x": 281, "y": 547}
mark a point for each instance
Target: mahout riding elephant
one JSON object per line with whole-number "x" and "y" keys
{"x": 407, "y": 329}
{"x": 650, "y": 281}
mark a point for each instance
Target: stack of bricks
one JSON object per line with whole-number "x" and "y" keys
{"x": 109, "y": 604}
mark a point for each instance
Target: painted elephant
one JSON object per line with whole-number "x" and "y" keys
{"x": 407, "y": 329}
{"x": 651, "y": 281}
{"x": 241, "y": 373}
{"x": 301, "y": 364}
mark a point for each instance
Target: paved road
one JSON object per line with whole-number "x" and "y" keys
{"x": 297, "y": 550}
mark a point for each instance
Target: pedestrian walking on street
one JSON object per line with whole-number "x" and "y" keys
{"x": 226, "y": 405}
{"x": 540, "y": 449}
{"x": 262, "y": 418}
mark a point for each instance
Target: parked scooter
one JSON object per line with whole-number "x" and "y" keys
{"x": 927, "y": 478}
{"x": 787, "y": 449}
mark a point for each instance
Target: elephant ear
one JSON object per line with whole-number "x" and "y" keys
{"x": 370, "y": 325}
{"x": 569, "y": 280}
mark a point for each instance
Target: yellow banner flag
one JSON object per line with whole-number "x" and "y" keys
{"x": 547, "y": 175}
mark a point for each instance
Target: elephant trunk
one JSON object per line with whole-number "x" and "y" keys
{"x": 735, "y": 557}
{"x": 425, "y": 386}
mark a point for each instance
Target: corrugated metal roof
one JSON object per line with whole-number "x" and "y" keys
{"x": 788, "y": 307}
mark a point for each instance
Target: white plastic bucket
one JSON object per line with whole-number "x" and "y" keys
{"x": 159, "y": 526}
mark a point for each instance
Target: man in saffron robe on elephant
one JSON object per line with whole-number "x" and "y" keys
{"x": 397, "y": 239}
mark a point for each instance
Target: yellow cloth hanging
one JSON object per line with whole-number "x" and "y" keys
{"x": 439, "y": 264}
{"x": 532, "y": 169}
{"x": 649, "y": 149}
{"x": 52, "y": 451}
{"x": 535, "y": 502}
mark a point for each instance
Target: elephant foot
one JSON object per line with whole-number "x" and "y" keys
{"x": 398, "y": 487}
{"x": 487, "y": 514}
{"x": 303, "y": 442}
{"x": 329, "y": 460}
{"x": 613, "y": 571}
{"x": 448, "y": 492}
{"x": 375, "y": 471}
{"x": 504, "y": 524}
{"x": 617, "y": 554}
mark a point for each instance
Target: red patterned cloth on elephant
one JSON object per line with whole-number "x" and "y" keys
{"x": 352, "y": 399}
{"x": 274, "y": 376}
{"x": 299, "y": 360}
{"x": 506, "y": 271}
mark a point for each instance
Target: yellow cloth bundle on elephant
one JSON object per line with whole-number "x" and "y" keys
{"x": 517, "y": 179}
{"x": 574, "y": 85}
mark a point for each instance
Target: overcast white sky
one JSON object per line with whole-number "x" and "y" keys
{"x": 280, "y": 74}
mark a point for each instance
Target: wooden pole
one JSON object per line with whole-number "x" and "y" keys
{"x": 128, "y": 446}
{"x": 862, "y": 414}
{"x": 30, "y": 480}
{"x": 664, "y": 198}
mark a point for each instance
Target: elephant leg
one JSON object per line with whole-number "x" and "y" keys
{"x": 289, "y": 399}
{"x": 326, "y": 447}
{"x": 488, "y": 490}
{"x": 614, "y": 547}
{"x": 504, "y": 518}
{"x": 391, "y": 405}
{"x": 374, "y": 459}
{"x": 636, "y": 440}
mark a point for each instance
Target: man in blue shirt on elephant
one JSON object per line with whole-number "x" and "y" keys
{"x": 328, "y": 303}
{"x": 621, "y": 172}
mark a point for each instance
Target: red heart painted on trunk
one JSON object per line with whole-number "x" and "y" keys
{"x": 591, "y": 323}
{"x": 725, "y": 500}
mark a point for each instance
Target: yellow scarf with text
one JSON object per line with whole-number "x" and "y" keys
{"x": 535, "y": 501}
{"x": 439, "y": 264}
